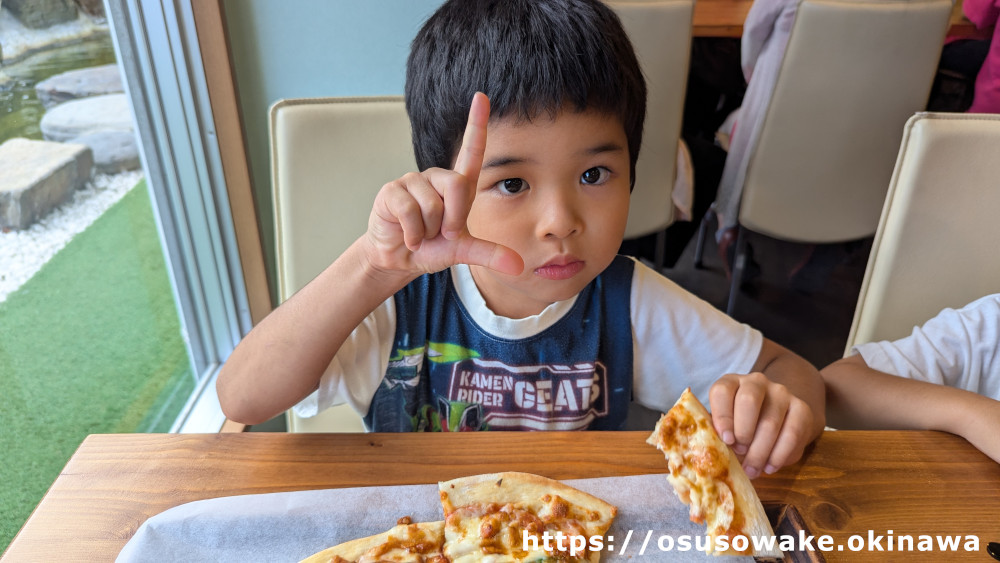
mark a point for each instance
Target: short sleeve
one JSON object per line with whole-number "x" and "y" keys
{"x": 956, "y": 348}
{"x": 359, "y": 366}
{"x": 682, "y": 341}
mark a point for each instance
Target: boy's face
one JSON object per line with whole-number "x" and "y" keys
{"x": 556, "y": 191}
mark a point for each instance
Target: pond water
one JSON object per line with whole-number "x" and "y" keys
{"x": 20, "y": 110}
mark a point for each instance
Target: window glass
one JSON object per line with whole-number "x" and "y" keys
{"x": 90, "y": 336}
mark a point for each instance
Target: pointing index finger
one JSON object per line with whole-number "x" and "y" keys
{"x": 470, "y": 157}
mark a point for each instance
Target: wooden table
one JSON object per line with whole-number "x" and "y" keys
{"x": 847, "y": 483}
{"x": 724, "y": 18}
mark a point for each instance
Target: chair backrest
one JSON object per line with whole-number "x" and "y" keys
{"x": 329, "y": 158}
{"x": 660, "y": 31}
{"x": 853, "y": 72}
{"x": 937, "y": 239}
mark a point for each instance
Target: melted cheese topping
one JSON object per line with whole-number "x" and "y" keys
{"x": 699, "y": 473}
{"x": 494, "y": 533}
{"x": 414, "y": 545}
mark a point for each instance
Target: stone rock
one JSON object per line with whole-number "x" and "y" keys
{"x": 38, "y": 14}
{"x": 75, "y": 118}
{"x": 80, "y": 83}
{"x": 114, "y": 151}
{"x": 92, "y": 7}
{"x": 38, "y": 176}
{"x": 20, "y": 42}
{"x": 6, "y": 81}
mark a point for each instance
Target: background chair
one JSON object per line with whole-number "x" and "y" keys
{"x": 660, "y": 31}
{"x": 852, "y": 73}
{"x": 330, "y": 156}
{"x": 936, "y": 243}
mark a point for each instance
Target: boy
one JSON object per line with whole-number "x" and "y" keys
{"x": 487, "y": 292}
{"x": 944, "y": 376}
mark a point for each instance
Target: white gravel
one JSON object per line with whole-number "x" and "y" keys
{"x": 23, "y": 253}
{"x": 18, "y": 41}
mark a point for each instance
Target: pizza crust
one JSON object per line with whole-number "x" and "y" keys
{"x": 707, "y": 476}
{"x": 513, "y": 487}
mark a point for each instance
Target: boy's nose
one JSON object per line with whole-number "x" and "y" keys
{"x": 559, "y": 217}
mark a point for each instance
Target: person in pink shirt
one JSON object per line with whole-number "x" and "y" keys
{"x": 985, "y": 13}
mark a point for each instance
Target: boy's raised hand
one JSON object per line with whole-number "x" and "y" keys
{"x": 763, "y": 421}
{"x": 418, "y": 222}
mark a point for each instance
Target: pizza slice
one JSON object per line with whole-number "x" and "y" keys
{"x": 420, "y": 543}
{"x": 708, "y": 477}
{"x": 501, "y": 517}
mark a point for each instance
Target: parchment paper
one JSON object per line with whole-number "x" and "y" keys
{"x": 291, "y": 526}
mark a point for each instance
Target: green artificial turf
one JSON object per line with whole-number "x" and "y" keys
{"x": 91, "y": 344}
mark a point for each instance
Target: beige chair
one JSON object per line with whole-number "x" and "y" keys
{"x": 330, "y": 156}
{"x": 936, "y": 244}
{"x": 660, "y": 31}
{"x": 853, "y": 72}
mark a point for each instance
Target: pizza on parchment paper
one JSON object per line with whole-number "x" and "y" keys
{"x": 707, "y": 476}
{"x": 486, "y": 519}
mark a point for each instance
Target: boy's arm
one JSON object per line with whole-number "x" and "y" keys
{"x": 417, "y": 225}
{"x": 770, "y": 415}
{"x": 282, "y": 359}
{"x": 860, "y": 397}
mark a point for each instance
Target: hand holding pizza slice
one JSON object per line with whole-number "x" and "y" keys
{"x": 506, "y": 517}
{"x": 707, "y": 476}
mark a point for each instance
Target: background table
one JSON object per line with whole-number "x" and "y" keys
{"x": 847, "y": 483}
{"x": 724, "y": 18}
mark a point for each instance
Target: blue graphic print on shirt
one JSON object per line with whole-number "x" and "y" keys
{"x": 447, "y": 374}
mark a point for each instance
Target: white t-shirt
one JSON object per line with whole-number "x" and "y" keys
{"x": 958, "y": 348}
{"x": 678, "y": 341}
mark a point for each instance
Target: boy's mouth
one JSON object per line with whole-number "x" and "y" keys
{"x": 560, "y": 269}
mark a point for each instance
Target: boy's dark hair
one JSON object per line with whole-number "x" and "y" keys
{"x": 529, "y": 57}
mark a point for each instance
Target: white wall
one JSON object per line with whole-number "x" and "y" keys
{"x": 313, "y": 48}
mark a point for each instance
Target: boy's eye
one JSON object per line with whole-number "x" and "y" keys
{"x": 512, "y": 185}
{"x": 596, "y": 175}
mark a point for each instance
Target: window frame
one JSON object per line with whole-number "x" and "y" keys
{"x": 213, "y": 255}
